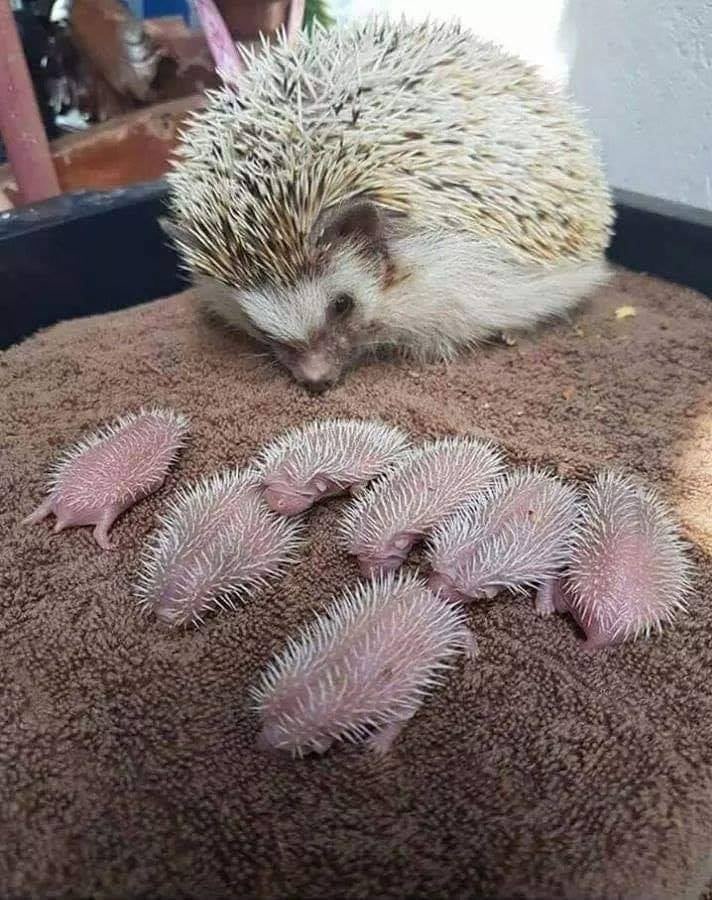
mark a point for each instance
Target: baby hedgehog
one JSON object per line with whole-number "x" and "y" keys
{"x": 218, "y": 542}
{"x": 426, "y": 486}
{"x": 628, "y": 573}
{"x": 515, "y": 535}
{"x": 326, "y": 458}
{"x": 104, "y": 474}
{"x": 361, "y": 670}
{"x": 387, "y": 185}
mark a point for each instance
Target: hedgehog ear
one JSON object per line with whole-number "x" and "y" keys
{"x": 358, "y": 221}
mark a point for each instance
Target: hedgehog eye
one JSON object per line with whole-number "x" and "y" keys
{"x": 341, "y": 305}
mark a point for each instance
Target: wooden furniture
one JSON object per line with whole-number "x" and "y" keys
{"x": 20, "y": 121}
{"x": 147, "y": 76}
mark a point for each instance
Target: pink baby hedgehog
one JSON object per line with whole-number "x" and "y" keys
{"x": 326, "y": 458}
{"x": 515, "y": 535}
{"x": 361, "y": 670}
{"x": 218, "y": 541}
{"x": 427, "y": 485}
{"x": 628, "y": 573}
{"x": 101, "y": 476}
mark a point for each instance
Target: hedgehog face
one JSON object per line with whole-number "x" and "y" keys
{"x": 331, "y": 316}
{"x": 276, "y": 738}
{"x": 290, "y": 499}
{"x": 320, "y": 360}
{"x": 444, "y": 585}
{"x": 323, "y": 324}
{"x": 316, "y": 329}
{"x": 389, "y": 556}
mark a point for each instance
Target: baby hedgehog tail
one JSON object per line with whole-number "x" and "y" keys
{"x": 326, "y": 458}
{"x": 104, "y": 474}
{"x": 360, "y": 671}
{"x": 218, "y": 541}
{"x": 516, "y": 535}
{"x": 628, "y": 574}
{"x": 430, "y": 483}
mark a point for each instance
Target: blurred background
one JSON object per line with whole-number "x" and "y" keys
{"x": 113, "y": 80}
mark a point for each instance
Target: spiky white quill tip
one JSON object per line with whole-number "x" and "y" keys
{"x": 361, "y": 110}
{"x": 102, "y": 475}
{"x": 218, "y": 542}
{"x": 427, "y": 485}
{"x": 360, "y": 670}
{"x": 326, "y": 458}
{"x": 515, "y": 535}
{"x": 628, "y": 574}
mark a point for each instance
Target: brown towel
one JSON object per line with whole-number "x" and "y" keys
{"x": 128, "y": 766}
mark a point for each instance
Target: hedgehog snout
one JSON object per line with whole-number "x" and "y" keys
{"x": 443, "y": 585}
{"x": 274, "y": 740}
{"x": 319, "y": 364}
{"x": 369, "y": 567}
{"x": 292, "y": 499}
{"x": 271, "y": 739}
{"x": 389, "y": 557}
{"x": 286, "y": 502}
{"x": 316, "y": 369}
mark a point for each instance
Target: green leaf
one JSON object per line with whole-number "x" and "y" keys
{"x": 317, "y": 11}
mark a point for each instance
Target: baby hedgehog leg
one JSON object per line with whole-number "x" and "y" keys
{"x": 382, "y": 740}
{"x": 551, "y": 598}
{"x": 100, "y": 477}
{"x": 101, "y": 529}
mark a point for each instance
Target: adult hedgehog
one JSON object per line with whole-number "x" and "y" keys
{"x": 387, "y": 185}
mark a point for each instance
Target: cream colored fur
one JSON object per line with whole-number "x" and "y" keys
{"x": 452, "y": 291}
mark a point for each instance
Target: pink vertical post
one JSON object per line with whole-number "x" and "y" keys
{"x": 221, "y": 43}
{"x": 20, "y": 124}
{"x": 228, "y": 61}
{"x": 295, "y": 17}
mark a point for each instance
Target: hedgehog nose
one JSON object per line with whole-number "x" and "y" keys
{"x": 315, "y": 370}
{"x": 319, "y": 385}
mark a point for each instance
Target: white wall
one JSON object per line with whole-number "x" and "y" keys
{"x": 527, "y": 27}
{"x": 642, "y": 70}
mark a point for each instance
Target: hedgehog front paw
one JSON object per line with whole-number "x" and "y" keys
{"x": 470, "y": 646}
{"x": 551, "y": 598}
{"x": 40, "y": 514}
{"x": 544, "y": 605}
{"x": 101, "y": 531}
{"x": 381, "y": 741}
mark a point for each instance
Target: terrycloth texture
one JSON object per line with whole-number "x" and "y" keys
{"x": 128, "y": 760}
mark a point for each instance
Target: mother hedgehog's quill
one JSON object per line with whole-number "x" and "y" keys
{"x": 387, "y": 185}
